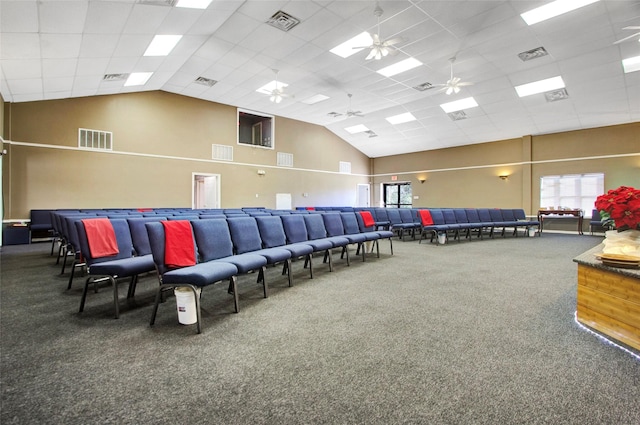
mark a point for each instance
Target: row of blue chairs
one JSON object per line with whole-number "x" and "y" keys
{"x": 241, "y": 244}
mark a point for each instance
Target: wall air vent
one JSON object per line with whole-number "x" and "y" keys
{"x": 345, "y": 167}
{"x": 115, "y": 77}
{"x": 205, "y": 81}
{"x": 222, "y": 152}
{"x": 536, "y": 53}
{"x": 555, "y": 95}
{"x": 285, "y": 159}
{"x": 283, "y": 21}
{"x": 95, "y": 139}
{"x": 457, "y": 115}
{"x": 423, "y": 86}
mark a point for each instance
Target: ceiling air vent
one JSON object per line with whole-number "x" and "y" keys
{"x": 536, "y": 53}
{"x": 169, "y": 3}
{"x": 115, "y": 77}
{"x": 283, "y": 21}
{"x": 371, "y": 133}
{"x": 554, "y": 95}
{"x": 334, "y": 114}
{"x": 423, "y": 86}
{"x": 457, "y": 115}
{"x": 205, "y": 81}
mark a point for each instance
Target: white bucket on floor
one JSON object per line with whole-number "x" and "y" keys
{"x": 532, "y": 232}
{"x": 442, "y": 238}
{"x": 186, "y": 305}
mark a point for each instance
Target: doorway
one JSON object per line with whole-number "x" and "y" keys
{"x": 363, "y": 197}
{"x": 397, "y": 195}
{"x": 205, "y": 191}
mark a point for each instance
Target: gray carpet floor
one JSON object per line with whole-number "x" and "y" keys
{"x": 478, "y": 332}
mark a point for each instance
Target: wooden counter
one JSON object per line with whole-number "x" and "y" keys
{"x": 608, "y": 298}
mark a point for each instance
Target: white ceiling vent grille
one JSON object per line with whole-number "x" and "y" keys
{"x": 423, "y": 86}
{"x": 371, "y": 133}
{"x": 457, "y": 115}
{"x": 283, "y": 21}
{"x": 536, "y": 53}
{"x": 222, "y": 152}
{"x": 345, "y": 167}
{"x": 115, "y": 77}
{"x": 555, "y": 95}
{"x": 285, "y": 159}
{"x": 205, "y": 81}
{"x": 95, "y": 139}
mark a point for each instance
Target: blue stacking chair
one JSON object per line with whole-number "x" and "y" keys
{"x": 246, "y": 239}
{"x": 114, "y": 267}
{"x": 139, "y": 234}
{"x": 316, "y": 230}
{"x": 296, "y": 231}
{"x": 273, "y": 236}
{"x": 485, "y": 218}
{"x": 382, "y": 234}
{"x": 213, "y": 239}
{"x": 192, "y": 277}
{"x": 333, "y": 225}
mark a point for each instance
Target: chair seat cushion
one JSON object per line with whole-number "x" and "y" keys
{"x": 338, "y": 240}
{"x": 123, "y": 267}
{"x": 274, "y": 255}
{"x": 298, "y": 249}
{"x": 320, "y": 244}
{"x": 356, "y": 238}
{"x": 201, "y": 274}
{"x": 245, "y": 262}
{"x": 384, "y": 234}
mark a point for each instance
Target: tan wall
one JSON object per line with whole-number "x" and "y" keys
{"x": 467, "y": 176}
{"x": 55, "y": 174}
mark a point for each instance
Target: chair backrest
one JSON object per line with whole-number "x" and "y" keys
{"x": 315, "y": 226}
{"x": 294, "y": 228}
{"x": 123, "y": 239}
{"x": 213, "y": 239}
{"x": 361, "y": 225}
{"x": 333, "y": 224}
{"x": 485, "y": 215}
{"x": 155, "y": 230}
{"x": 406, "y": 215}
{"x": 595, "y": 215}
{"x": 472, "y": 215}
{"x": 449, "y": 216}
{"x": 436, "y": 215}
{"x": 381, "y": 214}
{"x": 349, "y": 223}
{"x": 139, "y": 235}
{"x": 425, "y": 217}
{"x": 496, "y": 215}
{"x": 271, "y": 231}
{"x": 244, "y": 234}
{"x": 70, "y": 231}
{"x": 394, "y": 216}
{"x": 461, "y": 215}
{"x": 188, "y": 217}
{"x": 507, "y": 215}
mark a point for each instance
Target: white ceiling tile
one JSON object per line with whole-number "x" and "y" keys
{"x": 145, "y": 19}
{"x": 19, "y": 16}
{"x": 179, "y": 20}
{"x": 26, "y": 86}
{"x": 54, "y": 46}
{"x": 54, "y": 68}
{"x": 107, "y": 17}
{"x": 20, "y": 46}
{"x": 20, "y": 69}
{"x": 92, "y": 66}
{"x": 52, "y": 85}
{"x": 98, "y": 45}
{"x": 62, "y": 17}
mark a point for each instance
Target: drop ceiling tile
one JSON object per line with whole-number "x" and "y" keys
{"x": 20, "y": 69}
{"x": 54, "y": 68}
{"x": 20, "y": 46}
{"x": 18, "y": 17}
{"x": 98, "y": 45}
{"x": 54, "y": 46}
{"x": 92, "y": 66}
{"x": 57, "y": 84}
{"x": 179, "y": 20}
{"x": 26, "y": 86}
{"x": 62, "y": 17}
{"x": 107, "y": 17}
{"x": 145, "y": 19}
{"x": 131, "y": 45}
{"x": 237, "y": 28}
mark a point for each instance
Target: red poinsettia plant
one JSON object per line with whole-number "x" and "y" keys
{"x": 620, "y": 208}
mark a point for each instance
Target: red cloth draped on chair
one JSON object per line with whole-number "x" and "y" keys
{"x": 367, "y": 219}
{"x": 425, "y": 217}
{"x": 179, "y": 248}
{"x": 101, "y": 237}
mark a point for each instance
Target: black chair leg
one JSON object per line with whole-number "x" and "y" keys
{"x": 155, "y": 306}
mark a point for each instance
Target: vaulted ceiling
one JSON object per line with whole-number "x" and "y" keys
{"x": 64, "y": 49}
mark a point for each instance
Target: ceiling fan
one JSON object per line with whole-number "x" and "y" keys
{"x": 453, "y": 85}
{"x": 349, "y": 113}
{"x": 379, "y": 47}
{"x": 277, "y": 94}
{"x": 631, "y": 36}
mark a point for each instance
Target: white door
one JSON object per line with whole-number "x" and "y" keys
{"x": 206, "y": 191}
{"x": 363, "y": 196}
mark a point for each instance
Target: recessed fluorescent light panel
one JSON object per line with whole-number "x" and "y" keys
{"x": 162, "y": 45}
{"x": 360, "y": 128}
{"x": 315, "y": 99}
{"x": 399, "y": 67}
{"x": 553, "y": 9}
{"x": 193, "y": 4}
{"x": 138, "y": 79}
{"x": 631, "y": 64}
{"x": 401, "y": 118}
{"x": 541, "y": 86}
{"x": 459, "y": 105}
{"x": 271, "y": 86}
{"x": 353, "y": 45}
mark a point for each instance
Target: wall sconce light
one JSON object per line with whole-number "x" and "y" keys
{"x": 261, "y": 173}
{"x": 503, "y": 176}
{"x": 422, "y": 180}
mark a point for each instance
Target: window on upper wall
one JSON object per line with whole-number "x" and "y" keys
{"x": 574, "y": 191}
{"x": 256, "y": 129}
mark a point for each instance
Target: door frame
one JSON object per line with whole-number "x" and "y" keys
{"x": 194, "y": 184}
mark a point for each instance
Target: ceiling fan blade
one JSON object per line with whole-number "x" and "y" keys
{"x": 627, "y": 38}
{"x": 372, "y": 54}
{"x": 393, "y": 41}
{"x": 466, "y": 83}
{"x": 631, "y": 28}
